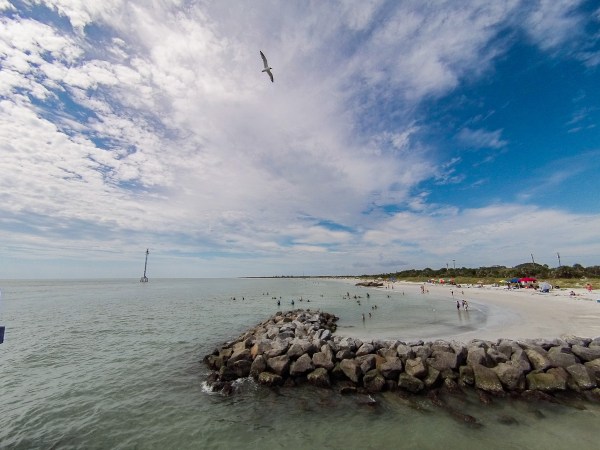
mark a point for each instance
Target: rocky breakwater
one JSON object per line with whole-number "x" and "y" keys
{"x": 299, "y": 346}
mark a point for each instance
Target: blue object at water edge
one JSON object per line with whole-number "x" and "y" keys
{"x": 2, "y": 334}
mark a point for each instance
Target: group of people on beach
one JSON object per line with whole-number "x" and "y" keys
{"x": 465, "y": 305}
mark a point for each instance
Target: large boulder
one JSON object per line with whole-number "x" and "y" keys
{"x": 269, "y": 379}
{"x": 510, "y": 375}
{"x": 443, "y": 361}
{"x": 415, "y": 368}
{"x": 258, "y": 365}
{"x": 520, "y": 358}
{"x": 279, "y": 364}
{"x": 260, "y": 347}
{"x": 367, "y": 362}
{"x": 301, "y": 366}
{"x": 365, "y": 349}
{"x": 466, "y": 375}
{"x": 319, "y": 377}
{"x": 241, "y": 368}
{"x": 278, "y": 348}
{"x": 351, "y": 368}
{"x": 391, "y": 368}
{"x": 538, "y": 358}
{"x": 586, "y": 353}
{"x": 323, "y": 359}
{"x": 594, "y": 369}
{"x": 373, "y": 381}
{"x": 405, "y": 352}
{"x": 299, "y": 348}
{"x": 561, "y": 357}
{"x": 495, "y": 356}
{"x": 432, "y": 377}
{"x": 580, "y": 378}
{"x": 476, "y": 355}
{"x": 239, "y": 354}
{"x": 545, "y": 382}
{"x": 410, "y": 383}
{"x": 486, "y": 379}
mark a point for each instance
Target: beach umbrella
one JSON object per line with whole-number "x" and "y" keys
{"x": 545, "y": 287}
{"x": 527, "y": 280}
{"x": 514, "y": 280}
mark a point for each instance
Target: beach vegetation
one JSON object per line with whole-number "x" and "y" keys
{"x": 564, "y": 276}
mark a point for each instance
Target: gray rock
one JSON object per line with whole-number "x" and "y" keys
{"x": 258, "y": 365}
{"x": 367, "y": 362}
{"x": 586, "y": 353}
{"x": 373, "y": 381}
{"x": 593, "y": 368}
{"x": 576, "y": 340}
{"x": 476, "y": 355}
{"x": 391, "y": 368}
{"x": 432, "y": 377}
{"x": 561, "y": 357}
{"x": 545, "y": 382}
{"x": 422, "y": 351}
{"x": 241, "y": 368}
{"x": 510, "y": 375}
{"x": 321, "y": 359}
{"x": 410, "y": 383}
{"x": 319, "y": 377}
{"x": 260, "y": 347}
{"x": 351, "y": 368}
{"x": 239, "y": 354}
{"x": 387, "y": 353}
{"x": 269, "y": 379}
{"x": 301, "y": 366}
{"x": 278, "y": 348}
{"x": 538, "y": 360}
{"x": 580, "y": 378}
{"x": 405, "y": 352}
{"x": 297, "y": 349}
{"x": 279, "y": 364}
{"x": 441, "y": 346}
{"x": 466, "y": 375}
{"x": 443, "y": 361}
{"x": 486, "y": 379}
{"x": 365, "y": 349}
{"x": 496, "y": 357}
{"x": 227, "y": 374}
{"x": 344, "y": 354}
{"x": 415, "y": 368}
{"x": 520, "y": 358}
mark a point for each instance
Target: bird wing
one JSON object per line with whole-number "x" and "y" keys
{"x": 264, "y": 60}
{"x": 270, "y": 75}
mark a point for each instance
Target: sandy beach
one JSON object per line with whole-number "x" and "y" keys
{"x": 521, "y": 313}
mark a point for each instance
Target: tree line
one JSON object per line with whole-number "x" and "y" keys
{"x": 501, "y": 272}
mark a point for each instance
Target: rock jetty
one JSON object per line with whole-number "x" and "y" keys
{"x": 299, "y": 346}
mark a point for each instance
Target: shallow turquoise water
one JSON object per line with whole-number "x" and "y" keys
{"x": 116, "y": 364}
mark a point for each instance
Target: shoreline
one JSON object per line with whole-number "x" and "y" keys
{"x": 514, "y": 314}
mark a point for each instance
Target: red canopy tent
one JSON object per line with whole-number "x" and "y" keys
{"x": 527, "y": 280}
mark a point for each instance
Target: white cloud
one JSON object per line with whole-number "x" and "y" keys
{"x": 481, "y": 138}
{"x": 164, "y": 129}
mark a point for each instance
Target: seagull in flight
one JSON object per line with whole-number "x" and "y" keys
{"x": 267, "y": 68}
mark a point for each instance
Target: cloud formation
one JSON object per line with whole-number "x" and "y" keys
{"x": 129, "y": 124}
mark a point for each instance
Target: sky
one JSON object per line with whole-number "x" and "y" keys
{"x": 396, "y": 135}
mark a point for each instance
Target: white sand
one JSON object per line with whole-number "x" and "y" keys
{"x": 524, "y": 313}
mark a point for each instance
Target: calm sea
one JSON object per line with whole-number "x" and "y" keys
{"x": 117, "y": 364}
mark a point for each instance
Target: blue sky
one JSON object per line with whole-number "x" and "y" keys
{"x": 396, "y": 135}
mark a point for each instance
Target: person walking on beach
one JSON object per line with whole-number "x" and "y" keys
{"x": 457, "y": 305}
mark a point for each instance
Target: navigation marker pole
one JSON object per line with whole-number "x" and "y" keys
{"x": 144, "y": 278}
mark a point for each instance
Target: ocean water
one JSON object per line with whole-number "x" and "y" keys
{"x": 117, "y": 364}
